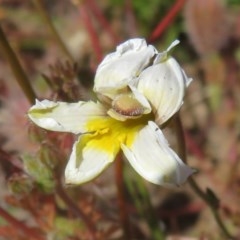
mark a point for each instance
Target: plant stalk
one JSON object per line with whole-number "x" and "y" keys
{"x": 121, "y": 196}
{"x": 16, "y": 67}
{"x": 203, "y": 195}
{"x": 19, "y": 226}
{"x": 167, "y": 20}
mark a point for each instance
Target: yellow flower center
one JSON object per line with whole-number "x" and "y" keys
{"x": 107, "y": 133}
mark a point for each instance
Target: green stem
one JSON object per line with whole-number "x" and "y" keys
{"x": 121, "y": 196}
{"x": 203, "y": 195}
{"x": 16, "y": 67}
{"x": 46, "y": 18}
{"x": 142, "y": 202}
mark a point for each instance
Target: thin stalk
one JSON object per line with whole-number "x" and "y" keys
{"x": 121, "y": 196}
{"x": 142, "y": 202}
{"x": 167, "y": 20}
{"x": 75, "y": 209}
{"x": 46, "y": 18}
{"x": 19, "y": 226}
{"x": 16, "y": 67}
{"x": 203, "y": 195}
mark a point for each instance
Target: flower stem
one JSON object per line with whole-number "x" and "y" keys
{"x": 141, "y": 198}
{"x": 75, "y": 209}
{"x": 46, "y": 18}
{"x": 16, "y": 67}
{"x": 205, "y": 196}
{"x": 166, "y": 21}
{"x": 121, "y": 196}
{"x": 18, "y": 225}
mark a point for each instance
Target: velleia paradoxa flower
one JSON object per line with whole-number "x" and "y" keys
{"x": 139, "y": 89}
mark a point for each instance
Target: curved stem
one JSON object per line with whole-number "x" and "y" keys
{"x": 203, "y": 195}
{"x": 16, "y": 67}
{"x": 46, "y": 18}
{"x": 121, "y": 196}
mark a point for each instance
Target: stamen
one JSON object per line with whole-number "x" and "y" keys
{"x": 127, "y": 105}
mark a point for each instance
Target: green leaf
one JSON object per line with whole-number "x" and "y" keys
{"x": 41, "y": 173}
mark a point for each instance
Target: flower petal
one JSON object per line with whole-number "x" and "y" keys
{"x": 91, "y": 154}
{"x": 164, "y": 85}
{"x": 120, "y": 67}
{"x": 162, "y": 56}
{"x": 150, "y": 155}
{"x": 65, "y": 117}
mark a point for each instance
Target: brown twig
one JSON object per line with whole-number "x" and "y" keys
{"x": 19, "y": 226}
{"x": 16, "y": 67}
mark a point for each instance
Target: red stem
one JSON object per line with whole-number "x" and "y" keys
{"x": 121, "y": 196}
{"x": 167, "y": 20}
{"x": 84, "y": 14}
{"x": 102, "y": 20}
{"x": 30, "y": 233}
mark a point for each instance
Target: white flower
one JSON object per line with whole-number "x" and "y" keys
{"x": 118, "y": 69}
{"x": 139, "y": 90}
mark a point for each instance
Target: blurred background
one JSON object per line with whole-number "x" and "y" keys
{"x": 59, "y": 45}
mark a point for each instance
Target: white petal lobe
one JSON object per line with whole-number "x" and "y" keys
{"x": 164, "y": 85}
{"x": 65, "y": 117}
{"x": 86, "y": 163}
{"x": 118, "y": 69}
{"x": 154, "y": 160}
{"x": 163, "y": 56}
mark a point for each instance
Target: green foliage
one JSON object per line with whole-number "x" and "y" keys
{"x": 233, "y": 2}
{"x": 149, "y": 13}
{"x": 146, "y": 10}
{"x": 20, "y": 184}
{"x": 39, "y": 171}
{"x": 65, "y": 227}
{"x": 142, "y": 201}
{"x": 215, "y": 91}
